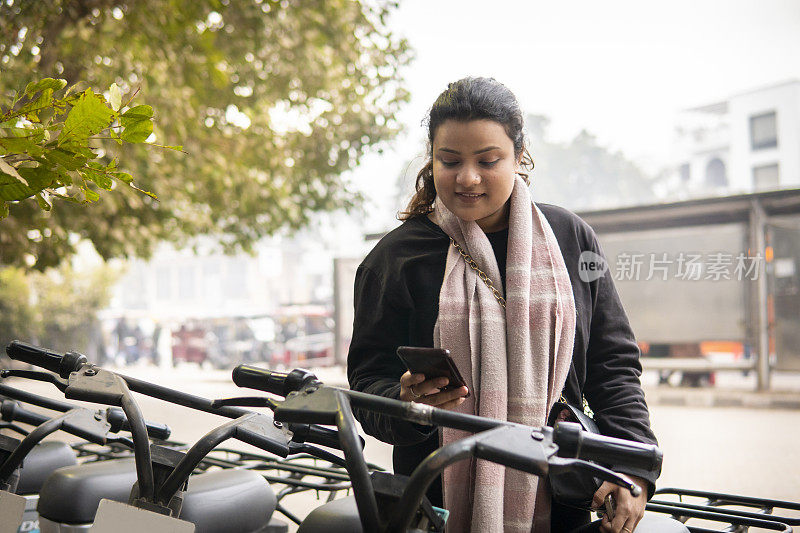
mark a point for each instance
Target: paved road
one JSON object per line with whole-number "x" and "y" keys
{"x": 751, "y": 451}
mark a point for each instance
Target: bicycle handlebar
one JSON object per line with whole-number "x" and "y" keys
{"x": 70, "y": 362}
{"x": 114, "y": 415}
{"x": 572, "y": 441}
{"x": 63, "y": 365}
{"x": 279, "y": 383}
{"x": 119, "y": 422}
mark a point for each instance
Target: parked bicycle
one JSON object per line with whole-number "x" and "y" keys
{"x": 237, "y": 499}
{"x": 380, "y": 501}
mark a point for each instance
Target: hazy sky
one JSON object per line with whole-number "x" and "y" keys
{"x": 620, "y": 69}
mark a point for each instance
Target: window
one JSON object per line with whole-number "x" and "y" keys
{"x": 236, "y": 279}
{"x": 763, "y": 131}
{"x": 715, "y": 173}
{"x": 163, "y": 283}
{"x": 186, "y": 282}
{"x": 686, "y": 172}
{"x": 765, "y": 176}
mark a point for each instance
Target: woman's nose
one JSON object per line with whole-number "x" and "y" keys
{"x": 468, "y": 176}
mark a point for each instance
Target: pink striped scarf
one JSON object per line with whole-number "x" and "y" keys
{"x": 515, "y": 361}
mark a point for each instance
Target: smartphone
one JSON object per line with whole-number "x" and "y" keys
{"x": 434, "y": 363}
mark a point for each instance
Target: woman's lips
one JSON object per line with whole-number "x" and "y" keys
{"x": 469, "y": 197}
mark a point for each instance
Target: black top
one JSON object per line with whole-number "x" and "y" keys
{"x": 396, "y": 304}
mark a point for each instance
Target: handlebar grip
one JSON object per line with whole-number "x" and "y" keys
{"x": 317, "y": 435}
{"x": 280, "y": 383}
{"x": 11, "y": 411}
{"x": 119, "y": 422}
{"x": 63, "y": 365}
{"x": 572, "y": 441}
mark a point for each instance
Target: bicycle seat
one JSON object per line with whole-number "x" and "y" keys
{"x": 338, "y": 516}
{"x": 220, "y": 501}
{"x": 71, "y": 494}
{"x": 228, "y": 501}
{"x": 43, "y": 459}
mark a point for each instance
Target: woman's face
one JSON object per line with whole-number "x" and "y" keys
{"x": 474, "y": 170}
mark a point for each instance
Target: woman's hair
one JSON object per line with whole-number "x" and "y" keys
{"x": 464, "y": 100}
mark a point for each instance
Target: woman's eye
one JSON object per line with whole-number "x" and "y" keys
{"x": 489, "y": 163}
{"x": 449, "y": 164}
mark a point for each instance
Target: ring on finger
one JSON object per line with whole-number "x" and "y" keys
{"x": 414, "y": 394}
{"x": 626, "y": 529}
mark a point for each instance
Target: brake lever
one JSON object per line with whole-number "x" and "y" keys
{"x": 244, "y": 401}
{"x": 558, "y": 465}
{"x": 36, "y": 375}
{"x": 15, "y": 428}
{"x": 296, "y": 448}
{"x": 124, "y": 441}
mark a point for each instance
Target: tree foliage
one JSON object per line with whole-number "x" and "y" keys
{"x": 272, "y": 102}
{"x": 57, "y": 308}
{"x": 46, "y": 148}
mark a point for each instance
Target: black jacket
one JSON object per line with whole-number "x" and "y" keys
{"x": 396, "y": 304}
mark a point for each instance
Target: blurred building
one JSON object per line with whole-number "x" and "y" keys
{"x": 272, "y": 307}
{"x": 179, "y": 284}
{"x": 747, "y": 143}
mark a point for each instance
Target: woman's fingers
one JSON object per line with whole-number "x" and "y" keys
{"x": 446, "y": 399}
{"x": 452, "y": 403}
{"x": 598, "y": 501}
{"x": 629, "y": 509}
{"x": 414, "y": 387}
{"x": 408, "y": 379}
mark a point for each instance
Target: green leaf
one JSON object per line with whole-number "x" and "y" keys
{"x": 12, "y": 189}
{"x": 66, "y": 159}
{"x": 19, "y": 139}
{"x": 44, "y": 84}
{"x": 89, "y": 116}
{"x": 124, "y": 177}
{"x": 43, "y": 203}
{"x": 137, "y": 124}
{"x": 100, "y": 177}
{"x": 115, "y": 97}
{"x": 17, "y": 144}
{"x": 39, "y": 178}
{"x": 6, "y": 168}
{"x": 148, "y": 193}
{"x": 72, "y": 89}
{"x": 91, "y": 196}
{"x": 79, "y": 148}
{"x": 136, "y": 114}
{"x": 32, "y": 109}
{"x": 137, "y": 132}
{"x": 64, "y": 176}
{"x": 35, "y": 150}
{"x": 177, "y": 148}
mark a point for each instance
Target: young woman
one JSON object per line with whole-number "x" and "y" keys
{"x": 533, "y": 331}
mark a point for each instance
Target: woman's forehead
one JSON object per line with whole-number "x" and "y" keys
{"x": 471, "y": 134}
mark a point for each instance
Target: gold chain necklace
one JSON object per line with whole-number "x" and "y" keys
{"x": 474, "y": 266}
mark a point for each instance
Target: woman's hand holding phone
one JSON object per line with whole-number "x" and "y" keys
{"x": 415, "y": 388}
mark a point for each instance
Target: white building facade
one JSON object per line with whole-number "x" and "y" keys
{"x": 748, "y": 143}
{"x": 181, "y": 285}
